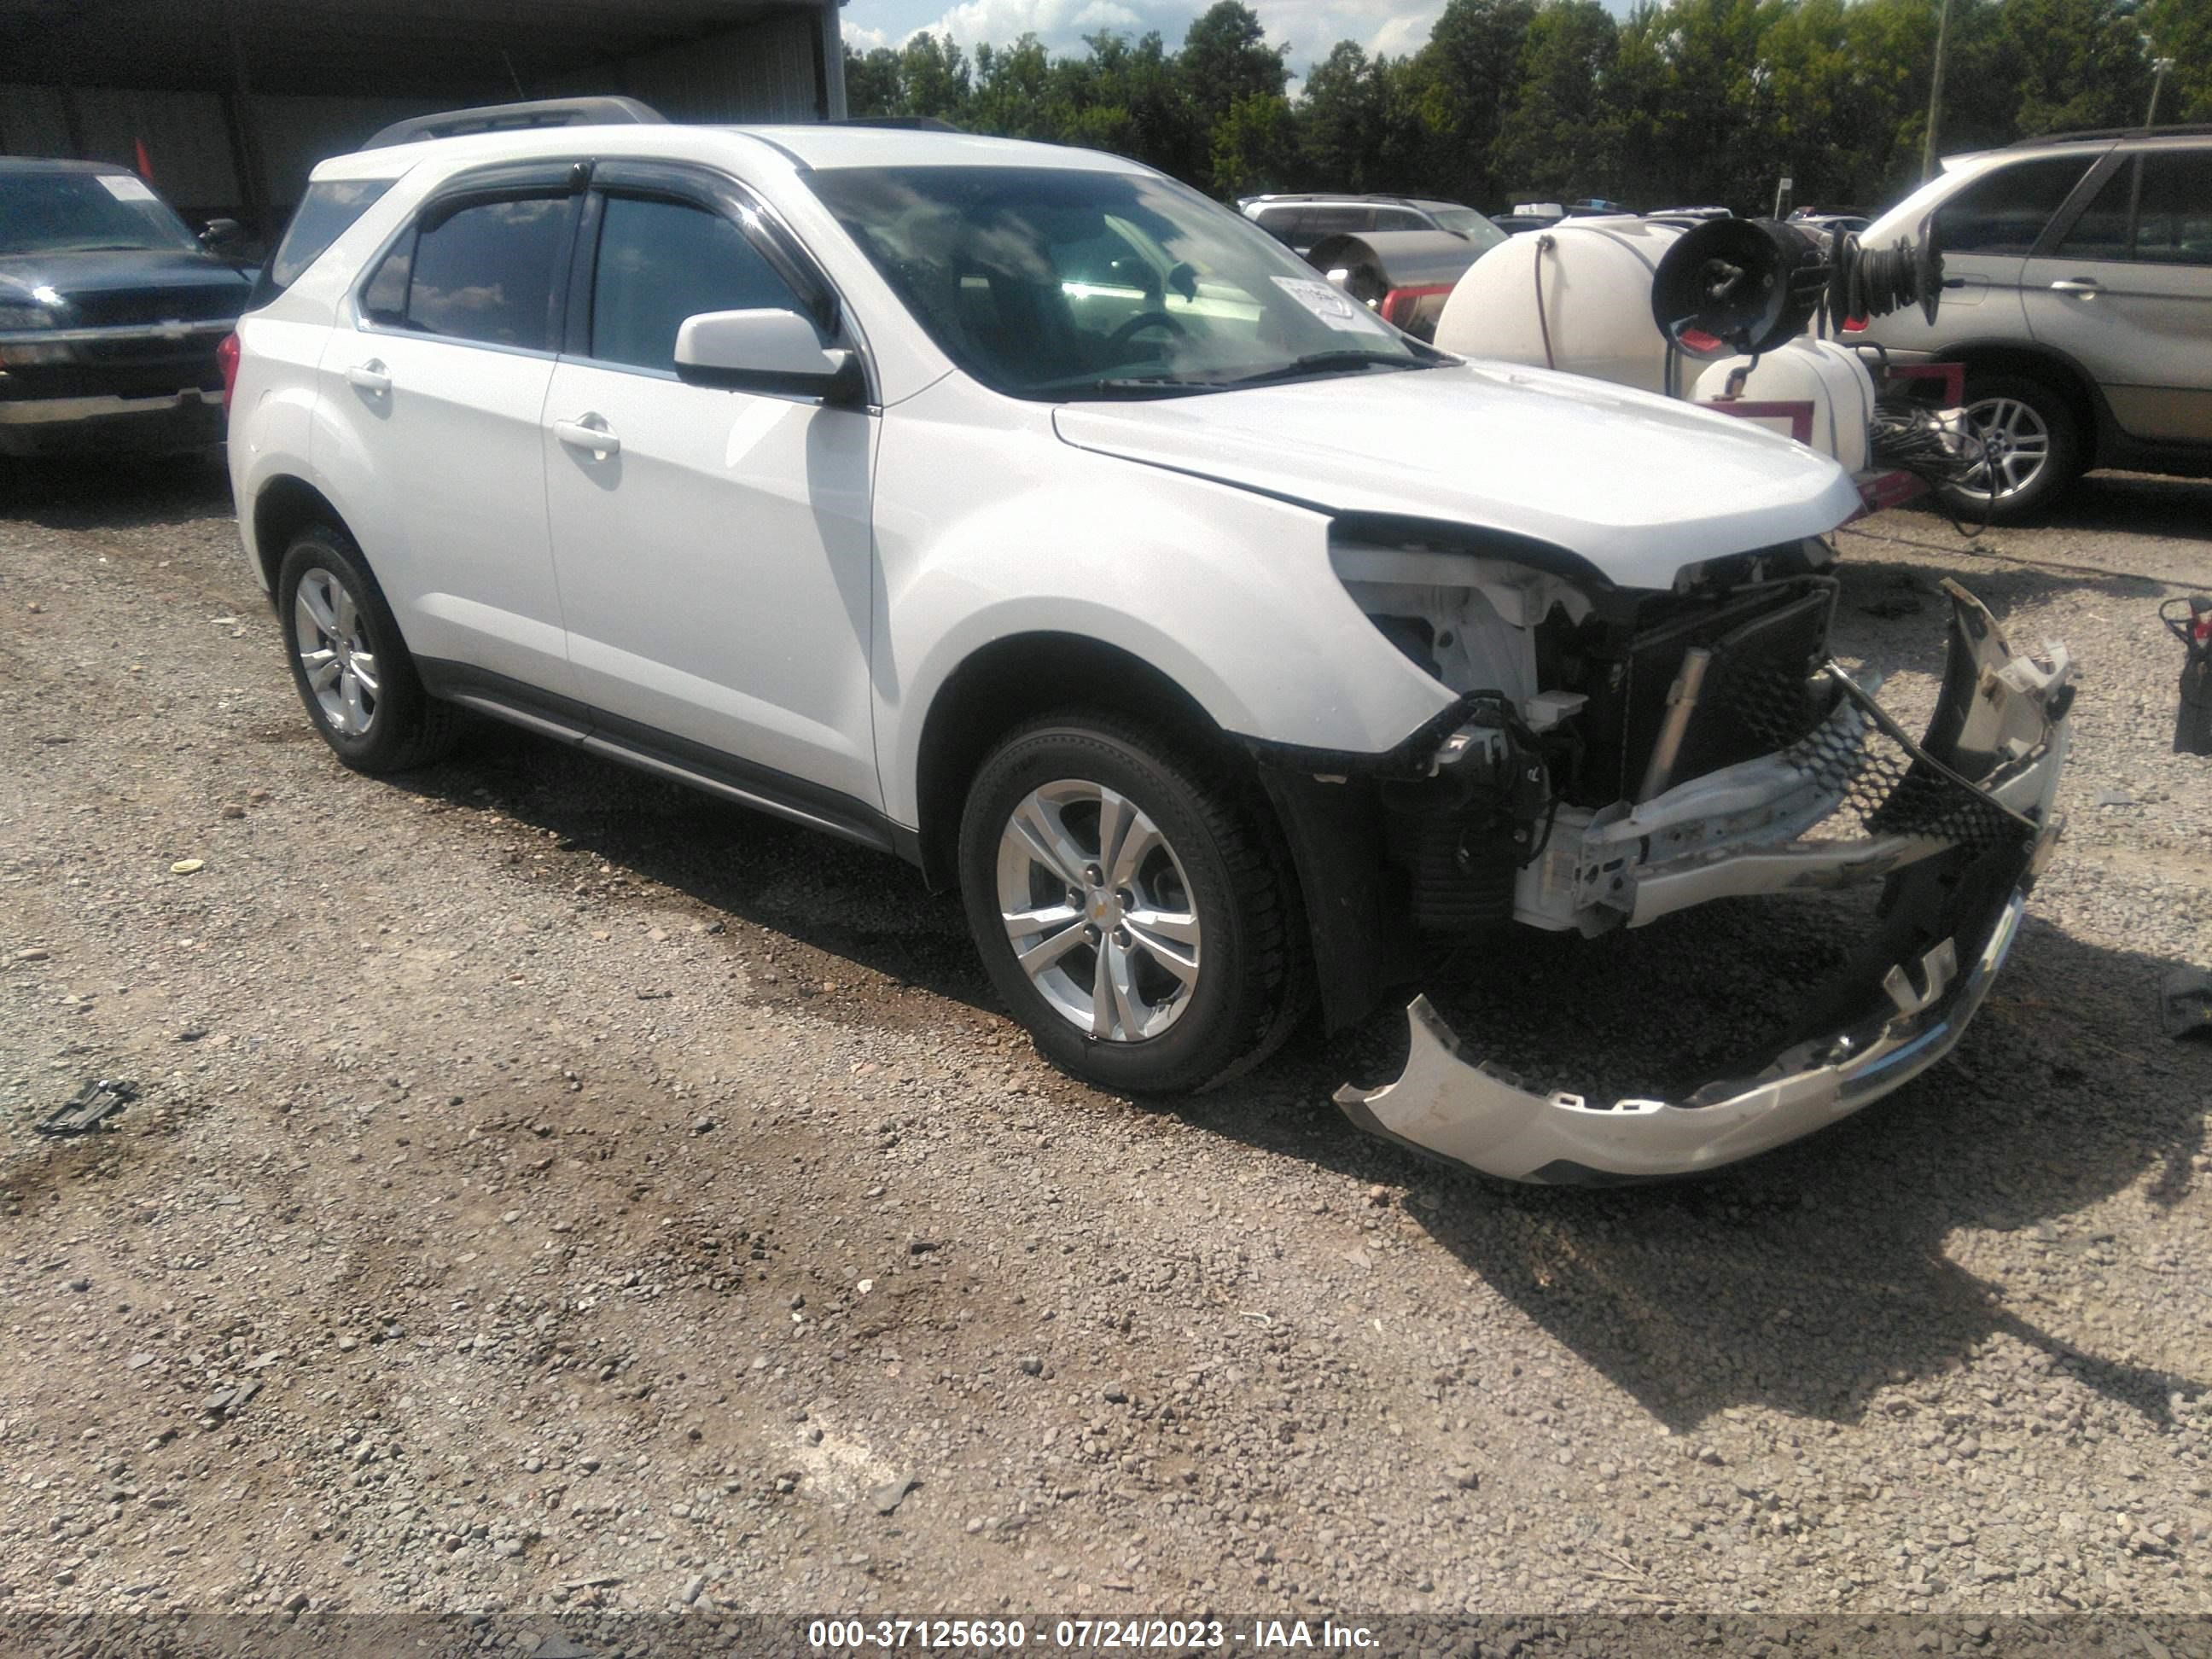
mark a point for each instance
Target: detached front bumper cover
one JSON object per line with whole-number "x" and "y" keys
{"x": 2000, "y": 716}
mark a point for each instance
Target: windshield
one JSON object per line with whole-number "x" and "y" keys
{"x": 1466, "y": 222}
{"x": 1053, "y": 282}
{"x": 82, "y": 212}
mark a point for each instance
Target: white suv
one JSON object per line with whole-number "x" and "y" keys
{"x": 1020, "y": 512}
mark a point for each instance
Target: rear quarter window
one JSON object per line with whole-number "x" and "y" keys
{"x": 325, "y": 213}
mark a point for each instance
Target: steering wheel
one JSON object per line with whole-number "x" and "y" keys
{"x": 1143, "y": 320}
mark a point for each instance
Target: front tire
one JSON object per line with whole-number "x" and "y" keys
{"x": 351, "y": 667}
{"x": 1128, "y": 906}
{"x": 2035, "y": 444}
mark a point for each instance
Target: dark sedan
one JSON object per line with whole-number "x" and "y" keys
{"x": 111, "y": 313}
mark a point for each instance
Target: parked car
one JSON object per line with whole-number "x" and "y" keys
{"x": 1299, "y": 222}
{"x": 111, "y": 311}
{"x": 1687, "y": 218}
{"x": 1831, "y": 219}
{"x": 1403, "y": 275}
{"x": 2079, "y": 296}
{"x": 1018, "y": 511}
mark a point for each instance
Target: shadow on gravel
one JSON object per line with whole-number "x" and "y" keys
{"x": 868, "y": 907}
{"x": 1804, "y": 1280}
{"x": 114, "y": 492}
{"x": 2139, "y": 504}
{"x": 2133, "y": 503}
{"x": 1807, "y": 1279}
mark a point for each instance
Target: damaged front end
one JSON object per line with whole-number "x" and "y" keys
{"x": 1699, "y": 760}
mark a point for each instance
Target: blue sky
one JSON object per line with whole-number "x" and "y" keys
{"x": 1310, "y": 26}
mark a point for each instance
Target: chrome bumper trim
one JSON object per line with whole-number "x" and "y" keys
{"x": 49, "y": 412}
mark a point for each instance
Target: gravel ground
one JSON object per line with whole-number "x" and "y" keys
{"x": 553, "y": 1190}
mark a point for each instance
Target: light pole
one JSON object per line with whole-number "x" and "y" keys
{"x": 2159, "y": 69}
{"x": 1935, "y": 96}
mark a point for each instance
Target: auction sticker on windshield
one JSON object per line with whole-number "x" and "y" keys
{"x": 1333, "y": 307}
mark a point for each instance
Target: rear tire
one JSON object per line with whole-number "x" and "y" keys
{"x": 351, "y": 667}
{"x": 1161, "y": 930}
{"x": 2026, "y": 417}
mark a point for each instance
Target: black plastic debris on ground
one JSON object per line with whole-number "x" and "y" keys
{"x": 2186, "y": 1004}
{"x": 89, "y": 1108}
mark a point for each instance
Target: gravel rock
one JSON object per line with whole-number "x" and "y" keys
{"x": 1966, "y": 1311}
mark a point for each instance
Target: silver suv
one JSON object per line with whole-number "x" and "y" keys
{"x": 2081, "y": 303}
{"x": 1301, "y": 222}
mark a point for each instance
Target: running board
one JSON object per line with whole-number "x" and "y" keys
{"x": 647, "y": 750}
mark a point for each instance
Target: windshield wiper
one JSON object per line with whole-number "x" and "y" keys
{"x": 1140, "y": 386}
{"x": 1323, "y": 362}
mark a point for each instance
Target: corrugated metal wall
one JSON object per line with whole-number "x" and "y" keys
{"x": 295, "y": 133}
{"x": 32, "y": 121}
{"x": 184, "y": 133}
{"x": 765, "y": 71}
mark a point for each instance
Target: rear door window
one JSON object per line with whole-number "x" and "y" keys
{"x": 660, "y": 262}
{"x": 1329, "y": 220}
{"x": 2101, "y": 231}
{"x": 488, "y": 271}
{"x": 2173, "y": 216}
{"x": 2005, "y": 211}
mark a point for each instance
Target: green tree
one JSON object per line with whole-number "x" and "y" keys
{"x": 1555, "y": 140}
{"x": 1015, "y": 92}
{"x": 934, "y": 79}
{"x": 871, "y": 82}
{"x": 1463, "y": 78}
{"x": 1340, "y": 123}
{"x": 1255, "y": 146}
{"x": 2182, "y": 30}
{"x": 1228, "y": 67}
{"x": 2076, "y": 63}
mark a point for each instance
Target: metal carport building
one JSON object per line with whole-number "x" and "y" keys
{"x": 234, "y": 100}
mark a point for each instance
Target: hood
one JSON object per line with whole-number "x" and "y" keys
{"x": 116, "y": 286}
{"x": 1638, "y": 486}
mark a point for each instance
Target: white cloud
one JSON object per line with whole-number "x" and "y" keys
{"x": 1061, "y": 24}
{"x": 1308, "y": 27}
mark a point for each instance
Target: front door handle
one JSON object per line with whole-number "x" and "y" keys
{"x": 590, "y": 433}
{"x": 2077, "y": 285}
{"x": 370, "y": 377}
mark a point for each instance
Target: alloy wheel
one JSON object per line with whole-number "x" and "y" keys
{"x": 331, "y": 637}
{"x": 1099, "y": 910}
{"x": 2015, "y": 447}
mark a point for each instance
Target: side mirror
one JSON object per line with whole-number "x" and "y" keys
{"x": 765, "y": 351}
{"x": 223, "y": 235}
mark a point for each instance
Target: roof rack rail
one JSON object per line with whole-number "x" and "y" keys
{"x": 505, "y": 118}
{"x": 2178, "y": 129}
{"x": 898, "y": 123}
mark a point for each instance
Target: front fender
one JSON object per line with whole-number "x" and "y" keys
{"x": 1229, "y": 594}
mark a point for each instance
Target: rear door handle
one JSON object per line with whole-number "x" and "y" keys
{"x": 590, "y": 433}
{"x": 2077, "y": 285}
{"x": 370, "y": 377}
